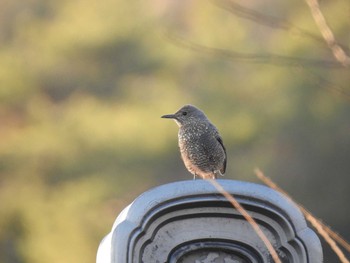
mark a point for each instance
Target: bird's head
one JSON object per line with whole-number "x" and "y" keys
{"x": 186, "y": 114}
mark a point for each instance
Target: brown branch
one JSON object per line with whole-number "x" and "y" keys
{"x": 337, "y": 237}
{"x": 248, "y": 217}
{"x": 327, "y": 33}
{"x": 266, "y": 58}
{"x": 325, "y": 232}
{"x": 300, "y": 64}
{"x": 266, "y": 20}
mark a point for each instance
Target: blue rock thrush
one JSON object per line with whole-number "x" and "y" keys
{"x": 201, "y": 146}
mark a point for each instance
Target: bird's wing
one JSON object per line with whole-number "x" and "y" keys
{"x": 219, "y": 139}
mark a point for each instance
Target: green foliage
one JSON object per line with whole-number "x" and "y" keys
{"x": 83, "y": 86}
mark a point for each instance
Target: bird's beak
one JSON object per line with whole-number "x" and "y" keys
{"x": 169, "y": 116}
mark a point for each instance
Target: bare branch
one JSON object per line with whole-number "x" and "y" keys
{"x": 324, "y": 231}
{"x": 248, "y": 217}
{"x": 269, "y": 21}
{"x": 267, "y": 58}
{"x": 327, "y": 33}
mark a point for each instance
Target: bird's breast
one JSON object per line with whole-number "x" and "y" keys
{"x": 192, "y": 139}
{"x": 192, "y": 132}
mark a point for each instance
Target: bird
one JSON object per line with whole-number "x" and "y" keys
{"x": 201, "y": 146}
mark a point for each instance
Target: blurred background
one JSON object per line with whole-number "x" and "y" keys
{"x": 83, "y": 85}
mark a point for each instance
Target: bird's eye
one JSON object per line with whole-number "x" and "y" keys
{"x": 184, "y": 113}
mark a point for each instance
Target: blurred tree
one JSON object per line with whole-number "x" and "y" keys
{"x": 83, "y": 86}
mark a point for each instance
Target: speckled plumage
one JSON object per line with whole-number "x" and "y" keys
{"x": 200, "y": 143}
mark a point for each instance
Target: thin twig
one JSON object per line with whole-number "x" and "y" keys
{"x": 263, "y": 19}
{"x": 248, "y": 217}
{"x": 264, "y": 58}
{"x": 337, "y": 237}
{"x": 319, "y": 226}
{"x": 235, "y": 8}
{"x": 327, "y": 33}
